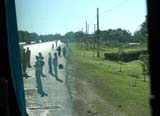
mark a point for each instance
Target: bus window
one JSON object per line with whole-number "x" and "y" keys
{"x": 83, "y": 58}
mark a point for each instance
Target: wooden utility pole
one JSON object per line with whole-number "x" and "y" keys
{"x": 85, "y": 37}
{"x": 94, "y": 41}
{"x": 88, "y": 29}
{"x": 94, "y": 28}
{"x": 98, "y": 33}
{"x": 86, "y": 42}
{"x": 81, "y": 40}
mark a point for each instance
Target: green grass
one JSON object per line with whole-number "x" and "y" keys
{"x": 115, "y": 87}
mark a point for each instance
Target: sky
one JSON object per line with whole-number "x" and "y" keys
{"x": 62, "y": 16}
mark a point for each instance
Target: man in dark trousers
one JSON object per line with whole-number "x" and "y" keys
{"x": 24, "y": 63}
{"x": 55, "y": 65}
{"x": 50, "y": 63}
{"x": 56, "y": 43}
{"x": 38, "y": 74}
{"x": 59, "y": 51}
{"x": 64, "y": 52}
{"x": 53, "y": 46}
{"x": 28, "y": 56}
{"x": 42, "y": 63}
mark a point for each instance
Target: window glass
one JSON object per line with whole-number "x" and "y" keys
{"x": 83, "y": 58}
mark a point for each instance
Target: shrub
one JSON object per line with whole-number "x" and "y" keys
{"x": 126, "y": 57}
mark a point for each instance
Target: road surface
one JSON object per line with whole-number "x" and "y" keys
{"x": 58, "y": 101}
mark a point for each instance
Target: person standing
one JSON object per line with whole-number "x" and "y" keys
{"x": 24, "y": 63}
{"x": 50, "y": 63}
{"x": 59, "y": 51}
{"x": 56, "y": 43}
{"x": 42, "y": 63}
{"x": 55, "y": 65}
{"x": 38, "y": 74}
{"x": 53, "y": 46}
{"x": 64, "y": 52}
{"x": 28, "y": 56}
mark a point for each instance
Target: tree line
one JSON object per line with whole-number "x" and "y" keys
{"x": 25, "y": 36}
{"x": 110, "y": 37}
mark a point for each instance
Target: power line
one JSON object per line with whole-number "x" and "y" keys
{"x": 93, "y": 19}
{"x": 107, "y": 11}
{"x": 120, "y": 4}
{"x": 110, "y": 10}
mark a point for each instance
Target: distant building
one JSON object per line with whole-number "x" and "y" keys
{"x": 32, "y": 42}
{"x": 22, "y": 43}
{"x": 133, "y": 43}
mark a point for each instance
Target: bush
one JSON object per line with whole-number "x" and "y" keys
{"x": 126, "y": 57}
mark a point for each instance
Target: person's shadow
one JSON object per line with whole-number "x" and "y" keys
{"x": 58, "y": 79}
{"x": 43, "y": 94}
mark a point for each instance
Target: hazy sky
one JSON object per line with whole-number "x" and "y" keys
{"x": 62, "y": 16}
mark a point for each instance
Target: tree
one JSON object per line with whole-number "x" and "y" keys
{"x": 34, "y": 37}
{"x": 69, "y": 36}
{"x": 58, "y": 36}
{"x": 144, "y": 62}
{"x": 79, "y": 35}
{"x": 141, "y": 35}
{"x": 121, "y": 54}
{"x": 143, "y": 29}
{"x": 80, "y": 38}
{"x": 116, "y": 37}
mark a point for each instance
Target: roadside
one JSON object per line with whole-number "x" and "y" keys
{"x": 99, "y": 92}
{"x": 86, "y": 102}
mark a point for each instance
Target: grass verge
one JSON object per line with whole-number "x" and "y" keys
{"x": 102, "y": 89}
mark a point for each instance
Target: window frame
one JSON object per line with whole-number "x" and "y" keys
{"x": 11, "y": 72}
{"x": 11, "y": 57}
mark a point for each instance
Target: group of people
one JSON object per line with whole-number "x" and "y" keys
{"x": 53, "y": 62}
{"x": 39, "y": 64}
{"x": 53, "y": 45}
{"x": 52, "y": 66}
{"x": 39, "y": 73}
{"x": 59, "y": 50}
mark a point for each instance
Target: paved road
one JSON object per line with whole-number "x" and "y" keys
{"x": 58, "y": 101}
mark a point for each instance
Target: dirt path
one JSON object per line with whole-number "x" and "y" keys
{"x": 88, "y": 103}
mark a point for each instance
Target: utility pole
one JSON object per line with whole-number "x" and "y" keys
{"x": 81, "y": 40}
{"x": 98, "y": 32}
{"x": 85, "y": 39}
{"x": 87, "y": 25}
{"x": 88, "y": 41}
{"x": 94, "y": 44}
{"x": 88, "y": 29}
{"x": 94, "y": 28}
